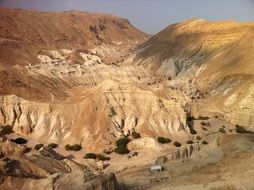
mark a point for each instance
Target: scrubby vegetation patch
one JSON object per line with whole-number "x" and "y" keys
{"x": 163, "y": 140}
{"x": 52, "y": 145}
{"x": 20, "y": 140}
{"x": 75, "y": 147}
{"x": 121, "y": 145}
{"x": 38, "y": 146}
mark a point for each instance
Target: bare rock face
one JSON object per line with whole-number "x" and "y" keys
{"x": 82, "y": 181}
{"x": 40, "y": 172}
{"x": 8, "y": 148}
{"x": 98, "y": 106}
{"x": 183, "y": 153}
{"x": 49, "y": 152}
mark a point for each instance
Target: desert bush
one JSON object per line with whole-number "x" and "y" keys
{"x": 204, "y": 142}
{"x": 203, "y": 118}
{"x": 135, "y": 154}
{"x": 222, "y": 130}
{"x": 240, "y": 129}
{"x": 121, "y": 146}
{"x": 102, "y": 157}
{"x": 199, "y": 138}
{"x": 122, "y": 150}
{"x": 189, "y": 142}
{"x": 20, "y": 140}
{"x": 75, "y": 147}
{"x": 205, "y": 129}
{"x": 135, "y": 135}
{"x": 163, "y": 140}
{"x": 38, "y": 146}
{"x": 67, "y": 147}
{"x": 203, "y": 123}
{"x": 123, "y": 141}
{"x": 90, "y": 156}
{"x": 177, "y": 144}
{"x": 52, "y": 145}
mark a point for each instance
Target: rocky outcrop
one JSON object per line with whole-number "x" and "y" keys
{"x": 79, "y": 180}
{"x": 74, "y": 121}
{"x": 8, "y": 148}
{"x": 182, "y": 153}
{"x": 40, "y": 172}
{"x": 49, "y": 152}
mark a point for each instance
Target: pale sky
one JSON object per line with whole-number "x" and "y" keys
{"x": 150, "y": 16}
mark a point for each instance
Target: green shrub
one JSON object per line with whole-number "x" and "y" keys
{"x": 177, "y": 144}
{"x": 135, "y": 154}
{"x": 102, "y": 157}
{"x": 203, "y": 118}
{"x": 52, "y": 145}
{"x": 75, "y": 147}
{"x": 122, "y": 150}
{"x": 20, "y": 140}
{"x": 204, "y": 142}
{"x": 135, "y": 135}
{"x": 38, "y": 146}
{"x": 203, "y": 123}
{"x": 240, "y": 129}
{"x": 123, "y": 141}
{"x": 163, "y": 140}
{"x": 121, "y": 146}
{"x": 189, "y": 142}
{"x": 90, "y": 156}
{"x": 67, "y": 147}
{"x": 222, "y": 130}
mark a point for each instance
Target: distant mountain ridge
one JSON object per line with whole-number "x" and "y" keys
{"x": 25, "y": 33}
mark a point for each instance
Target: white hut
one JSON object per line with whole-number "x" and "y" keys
{"x": 156, "y": 168}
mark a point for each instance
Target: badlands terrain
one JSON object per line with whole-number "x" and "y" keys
{"x": 182, "y": 99}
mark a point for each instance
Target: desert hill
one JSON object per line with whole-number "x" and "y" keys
{"x": 24, "y": 34}
{"x": 92, "y": 79}
{"x": 215, "y": 57}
